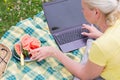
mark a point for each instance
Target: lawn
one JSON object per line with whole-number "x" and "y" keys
{"x": 12, "y": 11}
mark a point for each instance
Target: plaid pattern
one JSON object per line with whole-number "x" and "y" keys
{"x": 47, "y": 69}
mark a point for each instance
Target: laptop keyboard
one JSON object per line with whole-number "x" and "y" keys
{"x": 69, "y": 36}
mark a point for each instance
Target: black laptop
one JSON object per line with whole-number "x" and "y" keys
{"x": 65, "y": 19}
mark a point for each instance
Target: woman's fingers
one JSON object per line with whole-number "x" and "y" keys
{"x": 40, "y": 59}
{"x": 35, "y": 50}
{"x": 36, "y": 56}
{"x": 42, "y": 53}
{"x": 85, "y": 26}
{"x": 93, "y": 31}
{"x": 85, "y": 34}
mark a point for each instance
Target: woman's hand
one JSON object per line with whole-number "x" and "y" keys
{"x": 93, "y": 32}
{"x": 43, "y": 52}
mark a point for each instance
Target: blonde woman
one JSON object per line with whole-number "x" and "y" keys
{"x": 104, "y": 56}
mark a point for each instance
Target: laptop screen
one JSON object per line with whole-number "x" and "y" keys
{"x": 61, "y": 14}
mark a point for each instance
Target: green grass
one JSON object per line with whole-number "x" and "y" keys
{"x": 12, "y": 11}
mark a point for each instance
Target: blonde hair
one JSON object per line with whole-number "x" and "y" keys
{"x": 111, "y": 8}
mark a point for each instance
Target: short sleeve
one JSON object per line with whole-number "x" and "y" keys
{"x": 97, "y": 56}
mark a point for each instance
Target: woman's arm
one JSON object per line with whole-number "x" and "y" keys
{"x": 84, "y": 72}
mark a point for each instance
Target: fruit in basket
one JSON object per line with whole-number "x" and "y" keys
{"x": 27, "y": 43}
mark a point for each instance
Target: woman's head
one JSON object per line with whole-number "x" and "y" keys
{"x": 109, "y": 8}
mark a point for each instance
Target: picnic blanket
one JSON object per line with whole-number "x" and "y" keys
{"x": 47, "y": 69}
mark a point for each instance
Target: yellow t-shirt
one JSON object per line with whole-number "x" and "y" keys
{"x": 105, "y": 51}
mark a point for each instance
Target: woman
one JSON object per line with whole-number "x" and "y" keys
{"x": 104, "y": 56}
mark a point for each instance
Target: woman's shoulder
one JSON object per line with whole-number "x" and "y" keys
{"x": 110, "y": 40}
{"x": 110, "y": 34}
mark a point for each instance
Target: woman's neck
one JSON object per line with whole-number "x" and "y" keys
{"x": 103, "y": 27}
{"x": 102, "y": 23}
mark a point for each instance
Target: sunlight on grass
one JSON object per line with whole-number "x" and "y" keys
{"x": 12, "y": 11}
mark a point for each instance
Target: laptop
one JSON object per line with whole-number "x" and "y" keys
{"x": 65, "y": 19}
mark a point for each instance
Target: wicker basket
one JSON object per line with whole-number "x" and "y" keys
{"x": 5, "y": 55}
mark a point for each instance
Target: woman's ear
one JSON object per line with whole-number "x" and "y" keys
{"x": 97, "y": 13}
